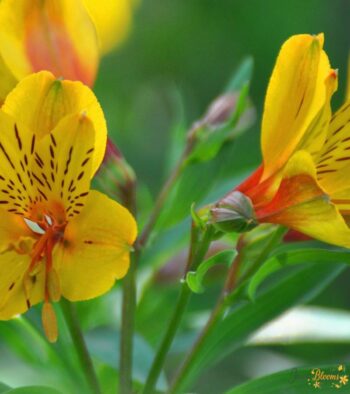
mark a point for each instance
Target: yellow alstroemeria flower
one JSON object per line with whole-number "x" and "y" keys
{"x": 112, "y": 19}
{"x": 57, "y": 237}
{"x": 304, "y": 180}
{"x": 65, "y": 37}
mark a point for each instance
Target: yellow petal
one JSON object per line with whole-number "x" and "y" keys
{"x": 342, "y": 200}
{"x": 333, "y": 161}
{"x": 112, "y": 20}
{"x": 302, "y": 205}
{"x": 315, "y": 136}
{"x": 295, "y": 95}
{"x": 14, "y": 233}
{"x": 7, "y": 81}
{"x": 96, "y": 247}
{"x": 40, "y": 101}
{"x": 13, "y": 298}
{"x": 16, "y": 144}
{"x": 62, "y": 167}
{"x": 55, "y": 35}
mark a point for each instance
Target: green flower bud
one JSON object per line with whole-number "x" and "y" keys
{"x": 234, "y": 213}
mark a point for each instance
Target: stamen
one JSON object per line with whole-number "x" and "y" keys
{"x": 48, "y": 220}
{"x": 34, "y": 226}
{"x": 49, "y": 322}
{"x": 53, "y": 285}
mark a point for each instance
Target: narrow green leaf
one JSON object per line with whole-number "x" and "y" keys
{"x": 306, "y": 325}
{"x": 242, "y": 75}
{"x": 195, "y": 279}
{"x": 196, "y": 218}
{"x": 281, "y": 260}
{"x": 4, "y": 387}
{"x": 103, "y": 344}
{"x": 197, "y": 180}
{"x": 297, "y": 287}
{"x": 33, "y": 390}
{"x": 240, "y": 107}
{"x": 296, "y": 381}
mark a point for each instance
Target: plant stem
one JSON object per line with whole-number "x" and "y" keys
{"x": 167, "y": 340}
{"x": 127, "y": 330}
{"x": 164, "y": 193}
{"x": 215, "y": 316}
{"x": 194, "y": 259}
{"x": 128, "y": 309}
{"x": 220, "y": 308}
{"x": 72, "y": 321}
{"x": 129, "y": 286}
{"x": 274, "y": 240}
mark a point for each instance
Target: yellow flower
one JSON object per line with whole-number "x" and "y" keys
{"x": 59, "y": 36}
{"x": 112, "y": 19}
{"x": 303, "y": 182}
{"x": 57, "y": 237}
{"x": 344, "y": 380}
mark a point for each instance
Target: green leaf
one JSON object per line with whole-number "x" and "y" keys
{"x": 293, "y": 381}
{"x": 299, "y": 286}
{"x": 197, "y": 180}
{"x": 242, "y": 75}
{"x": 281, "y": 260}
{"x": 200, "y": 223}
{"x": 41, "y": 363}
{"x": 306, "y": 325}
{"x": 33, "y": 390}
{"x": 4, "y": 387}
{"x": 103, "y": 344}
{"x": 195, "y": 279}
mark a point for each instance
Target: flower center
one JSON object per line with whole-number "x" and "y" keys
{"x": 50, "y": 232}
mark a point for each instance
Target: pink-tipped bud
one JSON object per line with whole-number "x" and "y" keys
{"x": 221, "y": 110}
{"x": 115, "y": 176}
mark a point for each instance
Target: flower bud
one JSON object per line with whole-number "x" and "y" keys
{"x": 221, "y": 110}
{"x": 115, "y": 176}
{"x": 219, "y": 116}
{"x": 234, "y": 212}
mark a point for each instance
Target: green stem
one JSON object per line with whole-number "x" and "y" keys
{"x": 163, "y": 195}
{"x": 128, "y": 309}
{"x": 129, "y": 286}
{"x": 215, "y": 316}
{"x": 167, "y": 340}
{"x": 273, "y": 242}
{"x": 72, "y": 321}
{"x": 219, "y": 310}
{"x": 127, "y": 330}
{"x": 194, "y": 259}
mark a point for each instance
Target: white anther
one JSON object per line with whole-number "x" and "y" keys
{"x": 48, "y": 220}
{"x": 34, "y": 226}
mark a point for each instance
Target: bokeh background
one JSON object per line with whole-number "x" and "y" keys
{"x": 181, "y": 53}
{"x": 191, "y": 48}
